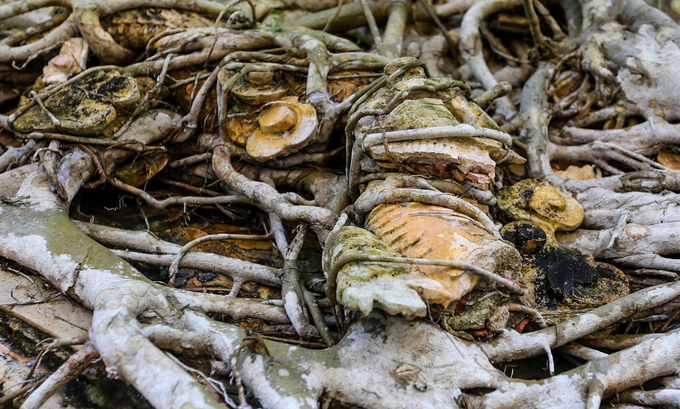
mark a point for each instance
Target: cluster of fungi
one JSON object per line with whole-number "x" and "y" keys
{"x": 374, "y": 204}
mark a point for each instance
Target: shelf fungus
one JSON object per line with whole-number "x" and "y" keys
{"x": 413, "y": 254}
{"x": 285, "y": 127}
{"x": 559, "y": 278}
{"x": 463, "y": 156}
{"x": 363, "y": 284}
{"x": 133, "y": 29}
{"x": 427, "y": 126}
{"x": 92, "y": 106}
{"x": 423, "y": 246}
{"x": 259, "y": 89}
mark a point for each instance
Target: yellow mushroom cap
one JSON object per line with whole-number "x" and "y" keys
{"x": 564, "y": 211}
{"x": 279, "y": 118}
{"x": 540, "y": 202}
{"x": 285, "y": 127}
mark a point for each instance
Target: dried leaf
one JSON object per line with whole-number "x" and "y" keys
{"x": 577, "y": 172}
{"x": 669, "y": 160}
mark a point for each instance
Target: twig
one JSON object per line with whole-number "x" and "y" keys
{"x": 516, "y": 346}
{"x": 233, "y": 268}
{"x": 50, "y": 161}
{"x": 9, "y": 397}
{"x": 98, "y": 166}
{"x": 217, "y": 22}
{"x": 498, "y": 47}
{"x": 303, "y": 158}
{"x": 186, "y": 81}
{"x": 36, "y": 29}
{"x": 174, "y": 266}
{"x": 57, "y": 343}
{"x": 55, "y": 296}
{"x": 237, "y": 308}
{"x": 214, "y": 383}
{"x": 394, "y": 29}
{"x": 453, "y": 47}
{"x": 191, "y": 188}
{"x": 141, "y": 105}
{"x": 22, "y": 274}
{"x": 190, "y": 160}
{"x": 317, "y": 317}
{"x": 222, "y": 94}
{"x": 15, "y": 155}
{"x": 190, "y": 121}
{"x": 628, "y": 152}
{"x": 152, "y": 41}
{"x": 373, "y": 26}
{"x": 235, "y": 287}
{"x": 256, "y": 346}
{"x": 438, "y": 132}
{"x": 39, "y": 54}
{"x": 657, "y": 398}
{"x": 471, "y": 47}
{"x": 661, "y": 273}
{"x": 86, "y": 140}
{"x": 595, "y": 390}
{"x": 499, "y": 90}
{"x": 277, "y": 231}
{"x": 551, "y": 361}
{"x": 56, "y": 122}
{"x": 143, "y": 241}
{"x": 583, "y": 352}
{"x": 73, "y": 366}
{"x": 291, "y": 291}
{"x": 534, "y": 24}
{"x": 334, "y": 16}
{"x": 303, "y": 343}
{"x": 191, "y": 200}
{"x": 510, "y": 285}
{"x": 619, "y": 342}
{"x": 552, "y": 23}
{"x": 535, "y": 315}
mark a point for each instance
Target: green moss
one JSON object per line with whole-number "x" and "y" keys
{"x": 417, "y": 114}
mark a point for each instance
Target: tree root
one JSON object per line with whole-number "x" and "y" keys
{"x": 381, "y": 362}
{"x": 84, "y": 19}
{"x": 82, "y": 268}
{"x": 471, "y": 48}
{"x": 348, "y": 371}
{"x": 76, "y": 364}
{"x": 512, "y": 345}
{"x": 294, "y": 300}
{"x": 164, "y": 253}
{"x": 267, "y": 198}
